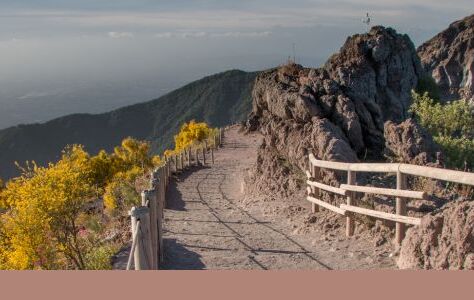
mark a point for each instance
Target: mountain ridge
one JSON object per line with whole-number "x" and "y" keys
{"x": 218, "y": 99}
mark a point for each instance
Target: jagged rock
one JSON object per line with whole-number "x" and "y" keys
{"x": 444, "y": 240}
{"x": 377, "y": 71}
{"x": 337, "y": 112}
{"x": 449, "y": 58}
{"x": 408, "y": 142}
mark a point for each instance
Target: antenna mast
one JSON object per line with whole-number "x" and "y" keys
{"x": 367, "y": 21}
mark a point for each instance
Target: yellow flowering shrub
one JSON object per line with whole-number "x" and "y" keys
{"x": 40, "y": 229}
{"x": 190, "y": 134}
{"x": 46, "y": 223}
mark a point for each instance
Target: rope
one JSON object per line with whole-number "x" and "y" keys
{"x": 134, "y": 245}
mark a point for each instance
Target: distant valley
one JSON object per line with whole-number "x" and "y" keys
{"x": 218, "y": 99}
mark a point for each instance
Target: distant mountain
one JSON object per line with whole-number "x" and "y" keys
{"x": 449, "y": 58}
{"x": 219, "y": 99}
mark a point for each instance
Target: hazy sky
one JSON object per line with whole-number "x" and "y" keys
{"x": 136, "y": 49}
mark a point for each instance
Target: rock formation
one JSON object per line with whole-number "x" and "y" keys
{"x": 449, "y": 58}
{"x": 408, "y": 142}
{"x": 338, "y": 112}
{"x": 444, "y": 240}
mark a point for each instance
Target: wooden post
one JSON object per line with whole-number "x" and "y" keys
{"x": 400, "y": 208}
{"x": 143, "y": 251}
{"x": 189, "y": 157}
{"x": 350, "y": 225}
{"x": 150, "y": 196}
{"x": 169, "y": 170}
{"x": 315, "y": 173}
{"x": 161, "y": 204}
{"x": 176, "y": 162}
{"x": 197, "y": 157}
{"x": 220, "y": 137}
{"x": 204, "y": 156}
{"x": 212, "y": 155}
{"x": 181, "y": 160}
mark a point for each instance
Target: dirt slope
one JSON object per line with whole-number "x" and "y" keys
{"x": 212, "y": 222}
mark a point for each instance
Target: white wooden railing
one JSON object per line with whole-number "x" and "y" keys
{"x": 401, "y": 193}
{"x": 147, "y": 251}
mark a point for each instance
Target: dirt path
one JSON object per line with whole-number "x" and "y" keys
{"x": 209, "y": 223}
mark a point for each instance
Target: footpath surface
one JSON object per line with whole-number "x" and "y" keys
{"x": 209, "y": 226}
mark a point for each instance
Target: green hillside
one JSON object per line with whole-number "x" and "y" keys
{"x": 219, "y": 99}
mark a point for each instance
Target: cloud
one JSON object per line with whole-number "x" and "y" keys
{"x": 120, "y": 35}
{"x": 164, "y": 35}
{"x": 237, "y": 34}
{"x": 181, "y": 35}
{"x": 203, "y": 34}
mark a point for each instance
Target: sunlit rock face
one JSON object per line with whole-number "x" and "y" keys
{"x": 449, "y": 58}
{"x": 337, "y": 112}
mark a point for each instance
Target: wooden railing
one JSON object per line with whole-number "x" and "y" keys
{"x": 401, "y": 193}
{"x": 146, "y": 252}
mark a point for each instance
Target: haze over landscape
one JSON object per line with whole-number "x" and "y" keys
{"x": 236, "y": 135}
{"x": 61, "y": 57}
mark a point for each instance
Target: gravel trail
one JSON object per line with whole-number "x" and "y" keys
{"x": 209, "y": 224}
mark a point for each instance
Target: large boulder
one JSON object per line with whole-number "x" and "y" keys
{"x": 337, "y": 112}
{"x": 449, "y": 58}
{"x": 408, "y": 142}
{"x": 444, "y": 240}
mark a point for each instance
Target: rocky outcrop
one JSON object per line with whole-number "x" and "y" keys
{"x": 449, "y": 58}
{"x": 444, "y": 240}
{"x": 408, "y": 142}
{"x": 337, "y": 112}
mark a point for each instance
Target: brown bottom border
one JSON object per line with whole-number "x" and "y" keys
{"x": 363, "y": 285}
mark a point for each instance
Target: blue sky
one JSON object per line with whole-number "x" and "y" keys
{"x": 155, "y": 46}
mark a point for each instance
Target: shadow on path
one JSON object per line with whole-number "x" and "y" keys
{"x": 179, "y": 257}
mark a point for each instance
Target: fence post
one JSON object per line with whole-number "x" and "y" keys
{"x": 143, "y": 251}
{"x": 212, "y": 155}
{"x": 150, "y": 197}
{"x": 181, "y": 160}
{"x": 203, "y": 156}
{"x": 197, "y": 156}
{"x": 161, "y": 204}
{"x": 351, "y": 179}
{"x": 400, "y": 208}
{"x": 169, "y": 170}
{"x": 220, "y": 136}
{"x": 189, "y": 156}
{"x": 315, "y": 173}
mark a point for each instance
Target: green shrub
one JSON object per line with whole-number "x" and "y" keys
{"x": 99, "y": 258}
{"x": 452, "y": 126}
{"x": 459, "y": 152}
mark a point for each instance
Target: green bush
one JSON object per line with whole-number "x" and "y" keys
{"x": 459, "y": 152}
{"x": 452, "y": 126}
{"x": 99, "y": 258}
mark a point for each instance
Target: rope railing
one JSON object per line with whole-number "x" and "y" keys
{"x": 401, "y": 193}
{"x": 146, "y": 252}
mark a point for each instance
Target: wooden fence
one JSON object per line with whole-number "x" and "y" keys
{"x": 147, "y": 220}
{"x": 401, "y": 194}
